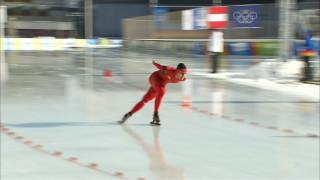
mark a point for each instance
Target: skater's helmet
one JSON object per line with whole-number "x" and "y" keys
{"x": 182, "y": 67}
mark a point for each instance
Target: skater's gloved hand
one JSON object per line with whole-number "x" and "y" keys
{"x": 155, "y": 63}
{"x": 181, "y": 76}
{"x": 159, "y": 66}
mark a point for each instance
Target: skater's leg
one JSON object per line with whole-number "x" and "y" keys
{"x": 161, "y": 91}
{"x": 146, "y": 98}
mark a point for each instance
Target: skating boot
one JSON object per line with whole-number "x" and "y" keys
{"x": 124, "y": 118}
{"x": 156, "y": 119}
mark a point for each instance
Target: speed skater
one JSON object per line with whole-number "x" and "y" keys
{"x": 158, "y": 81}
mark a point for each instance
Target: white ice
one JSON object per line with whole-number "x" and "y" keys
{"x": 61, "y": 101}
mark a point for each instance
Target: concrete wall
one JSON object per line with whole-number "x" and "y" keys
{"x": 108, "y": 17}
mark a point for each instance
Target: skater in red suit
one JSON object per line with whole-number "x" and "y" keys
{"x": 158, "y": 81}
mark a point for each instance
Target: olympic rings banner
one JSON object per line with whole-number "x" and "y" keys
{"x": 245, "y": 16}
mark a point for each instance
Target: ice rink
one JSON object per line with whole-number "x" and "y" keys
{"x": 59, "y": 113}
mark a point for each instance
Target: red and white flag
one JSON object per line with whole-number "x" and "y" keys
{"x": 218, "y": 17}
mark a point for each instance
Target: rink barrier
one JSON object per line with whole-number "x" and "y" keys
{"x": 58, "y": 154}
{"x": 232, "y": 47}
{"x": 53, "y": 44}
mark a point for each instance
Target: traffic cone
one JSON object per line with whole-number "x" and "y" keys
{"x": 107, "y": 73}
{"x": 186, "y": 102}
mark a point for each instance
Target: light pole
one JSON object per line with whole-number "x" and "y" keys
{"x": 3, "y": 65}
{"x": 88, "y": 19}
{"x": 286, "y": 28}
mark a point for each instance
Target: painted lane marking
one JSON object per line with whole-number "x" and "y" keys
{"x": 58, "y": 154}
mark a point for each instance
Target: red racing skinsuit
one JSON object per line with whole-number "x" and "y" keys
{"x": 158, "y": 81}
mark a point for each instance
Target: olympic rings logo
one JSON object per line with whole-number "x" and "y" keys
{"x": 245, "y": 16}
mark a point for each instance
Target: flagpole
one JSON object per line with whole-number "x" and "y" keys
{"x": 217, "y": 21}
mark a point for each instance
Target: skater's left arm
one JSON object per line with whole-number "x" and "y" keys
{"x": 161, "y": 67}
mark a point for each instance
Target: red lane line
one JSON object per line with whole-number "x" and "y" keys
{"x": 19, "y": 137}
{"x": 288, "y": 130}
{"x": 239, "y": 119}
{"x": 256, "y": 124}
{"x": 5, "y": 129}
{"x": 75, "y": 161}
{"x": 27, "y": 142}
{"x": 272, "y": 127}
{"x": 11, "y": 133}
{"x": 225, "y": 117}
{"x": 58, "y": 154}
{"x": 38, "y": 146}
{"x": 93, "y": 165}
{"x": 119, "y": 173}
{"x": 312, "y": 135}
{"x": 72, "y": 159}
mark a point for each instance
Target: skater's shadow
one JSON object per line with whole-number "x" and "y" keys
{"x": 61, "y": 124}
{"x": 137, "y": 124}
{"x": 159, "y": 166}
{"x": 58, "y": 124}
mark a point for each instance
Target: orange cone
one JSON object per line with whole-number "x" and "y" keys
{"x": 186, "y": 103}
{"x": 107, "y": 73}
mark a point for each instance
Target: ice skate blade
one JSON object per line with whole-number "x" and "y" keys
{"x": 121, "y": 122}
{"x": 154, "y": 124}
